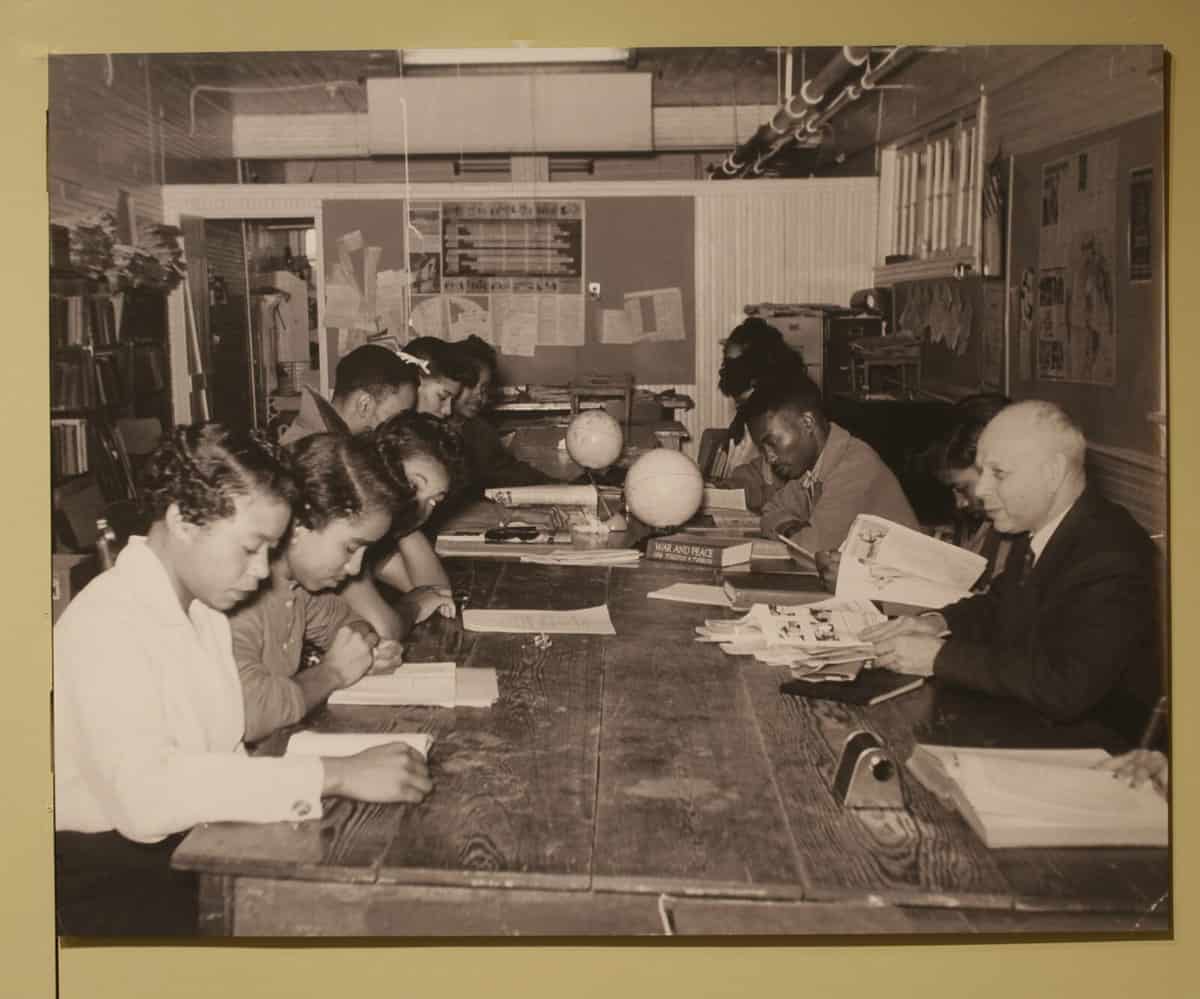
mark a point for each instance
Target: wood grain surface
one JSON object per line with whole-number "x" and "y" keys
{"x": 617, "y": 769}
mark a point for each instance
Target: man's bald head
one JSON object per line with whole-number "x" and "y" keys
{"x": 1031, "y": 465}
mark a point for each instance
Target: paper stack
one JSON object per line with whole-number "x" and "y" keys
{"x": 815, "y": 642}
{"x": 882, "y": 560}
{"x": 437, "y": 684}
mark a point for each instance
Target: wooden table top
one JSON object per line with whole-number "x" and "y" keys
{"x": 647, "y": 762}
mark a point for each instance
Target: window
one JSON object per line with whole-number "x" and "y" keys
{"x": 930, "y": 202}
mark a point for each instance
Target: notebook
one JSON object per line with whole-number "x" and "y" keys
{"x": 349, "y": 743}
{"x": 1042, "y": 797}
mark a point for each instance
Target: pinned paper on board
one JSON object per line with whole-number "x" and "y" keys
{"x": 615, "y": 326}
{"x": 656, "y": 314}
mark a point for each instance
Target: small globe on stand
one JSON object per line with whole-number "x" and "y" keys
{"x": 594, "y": 439}
{"x": 664, "y": 489}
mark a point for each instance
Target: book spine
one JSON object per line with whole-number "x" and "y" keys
{"x": 663, "y": 550}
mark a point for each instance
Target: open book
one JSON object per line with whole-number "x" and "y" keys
{"x": 1042, "y": 797}
{"x": 882, "y": 560}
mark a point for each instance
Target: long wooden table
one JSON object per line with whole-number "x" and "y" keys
{"x": 648, "y": 784}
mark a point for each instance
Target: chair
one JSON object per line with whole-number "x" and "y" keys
{"x": 136, "y": 437}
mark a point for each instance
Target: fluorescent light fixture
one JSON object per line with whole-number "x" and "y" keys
{"x": 515, "y": 56}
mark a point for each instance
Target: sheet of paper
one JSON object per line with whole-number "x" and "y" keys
{"x": 550, "y": 495}
{"x": 585, "y": 621}
{"x": 475, "y": 687}
{"x": 656, "y": 314}
{"x": 467, "y": 317}
{"x": 615, "y": 326}
{"x": 342, "y": 305}
{"x": 351, "y": 241}
{"x": 516, "y": 319}
{"x": 560, "y": 321}
{"x": 349, "y": 743}
{"x": 693, "y": 593}
{"x": 882, "y": 543}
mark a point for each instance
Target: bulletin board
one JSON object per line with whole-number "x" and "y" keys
{"x": 522, "y": 274}
{"x": 961, "y": 327}
{"x": 1086, "y": 281}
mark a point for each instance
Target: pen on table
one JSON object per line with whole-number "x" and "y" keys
{"x": 1152, "y": 725}
{"x": 795, "y": 547}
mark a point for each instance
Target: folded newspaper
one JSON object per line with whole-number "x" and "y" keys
{"x": 882, "y": 560}
{"x": 816, "y": 641}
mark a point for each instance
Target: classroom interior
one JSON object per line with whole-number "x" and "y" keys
{"x": 909, "y": 217}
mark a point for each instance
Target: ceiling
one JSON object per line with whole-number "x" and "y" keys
{"x": 934, "y": 81}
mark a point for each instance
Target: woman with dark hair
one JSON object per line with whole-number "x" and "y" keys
{"x": 345, "y": 499}
{"x": 954, "y": 465}
{"x": 442, "y": 378}
{"x": 487, "y": 462}
{"x": 423, "y": 452}
{"x": 754, "y": 355}
{"x": 148, "y": 704}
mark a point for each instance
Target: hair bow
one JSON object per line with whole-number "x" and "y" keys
{"x": 420, "y": 362}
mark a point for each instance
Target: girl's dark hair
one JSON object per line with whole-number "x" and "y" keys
{"x": 411, "y": 435}
{"x": 968, "y": 419}
{"x": 203, "y": 468}
{"x": 481, "y": 353}
{"x": 445, "y": 360}
{"x": 338, "y": 475}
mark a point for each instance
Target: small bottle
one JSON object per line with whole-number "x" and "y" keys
{"x": 106, "y": 544}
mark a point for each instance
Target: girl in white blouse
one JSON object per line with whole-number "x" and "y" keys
{"x": 147, "y": 702}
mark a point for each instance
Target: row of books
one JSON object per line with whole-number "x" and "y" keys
{"x": 83, "y": 381}
{"x": 76, "y": 320}
{"x": 72, "y": 383}
{"x": 68, "y": 447}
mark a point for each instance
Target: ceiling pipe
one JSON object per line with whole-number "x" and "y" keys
{"x": 777, "y": 131}
{"x": 805, "y": 124}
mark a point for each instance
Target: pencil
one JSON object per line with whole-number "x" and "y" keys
{"x": 1156, "y": 718}
{"x": 795, "y": 547}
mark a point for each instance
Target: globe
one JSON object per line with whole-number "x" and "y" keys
{"x": 663, "y": 488}
{"x": 594, "y": 439}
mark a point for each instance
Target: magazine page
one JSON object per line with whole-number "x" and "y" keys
{"x": 886, "y": 561}
{"x": 825, "y": 624}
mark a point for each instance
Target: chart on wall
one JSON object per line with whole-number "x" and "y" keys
{"x": 510, "y": 272}
{"x": 1076, "y": 290}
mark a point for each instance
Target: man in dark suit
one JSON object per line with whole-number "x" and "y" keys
{"x": 1071, "y": 626}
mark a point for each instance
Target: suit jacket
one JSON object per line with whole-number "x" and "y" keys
{"x": 1079, "y": 636}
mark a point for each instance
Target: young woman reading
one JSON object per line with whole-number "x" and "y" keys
{"x": 346, "y": 497}
{"x": 148, "y": 704}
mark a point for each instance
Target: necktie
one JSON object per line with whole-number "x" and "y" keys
{"x": 1026, "y": 565}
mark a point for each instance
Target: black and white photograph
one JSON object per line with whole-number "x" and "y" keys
{"x": 429, "y": 427}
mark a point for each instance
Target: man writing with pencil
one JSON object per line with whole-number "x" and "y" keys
{"x": 1071, "y": 626}
{"x": 831, "y": 476}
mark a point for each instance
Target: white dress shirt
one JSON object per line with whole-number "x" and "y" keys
{"x": 1041, "y": 537}
{"x": 148, "y": 715}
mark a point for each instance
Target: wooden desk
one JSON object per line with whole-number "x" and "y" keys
{"x": 625, "y": 784}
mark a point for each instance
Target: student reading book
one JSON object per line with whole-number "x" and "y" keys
{"x": 148, "y": 706}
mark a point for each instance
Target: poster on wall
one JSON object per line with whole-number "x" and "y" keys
{"x": 1141, "y": 213}
{"x": 1076, "y": 310}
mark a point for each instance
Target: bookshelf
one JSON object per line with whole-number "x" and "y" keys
{"x": 108, "y": 361}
